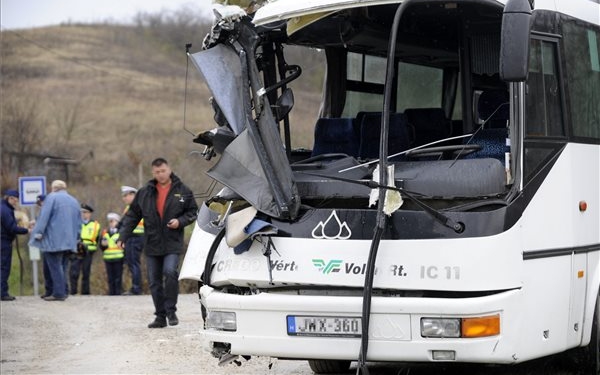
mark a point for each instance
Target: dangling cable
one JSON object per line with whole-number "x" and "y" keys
{"x": 383, "y": 180}
{"x": 187, "y": 68}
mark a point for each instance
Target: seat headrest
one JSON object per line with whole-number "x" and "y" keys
{"x": 494, "y": 100}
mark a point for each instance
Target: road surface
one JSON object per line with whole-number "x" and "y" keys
{"x": 108, "y": 335}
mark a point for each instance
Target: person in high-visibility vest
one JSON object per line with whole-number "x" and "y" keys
{"x": 81, "y": 263}
{"x": 134, "y": 245}
{"x": 113, "y": 255}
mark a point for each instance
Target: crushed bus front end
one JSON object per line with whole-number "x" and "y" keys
{"x": 410, "y": 249}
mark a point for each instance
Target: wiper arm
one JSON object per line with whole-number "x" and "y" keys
{"x": 409, "y": 150}
{"x": 440, "y": 217}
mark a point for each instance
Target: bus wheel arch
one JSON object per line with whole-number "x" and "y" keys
{"x": 594, "y": 346}
{"x": 328, "y": 366}
{"x": 589, "y": 356}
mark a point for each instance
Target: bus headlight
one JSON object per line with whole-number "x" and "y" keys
{"x": 221, "y": 320}
{"x": 440, "y": 327}
{"x": 482, "y": 326}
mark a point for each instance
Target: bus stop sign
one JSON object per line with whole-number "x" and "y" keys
{"x": 30, "y": 188}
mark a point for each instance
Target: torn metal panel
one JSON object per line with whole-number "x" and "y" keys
{"x": 221, "y": 69}
{"x": 255, "y": 164}
{"x": 241, "y": 171}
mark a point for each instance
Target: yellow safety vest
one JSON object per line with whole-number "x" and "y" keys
{"x": 112, "y": 252}
{"x": 139, "y": 229}
{"x": 89, "y": 234}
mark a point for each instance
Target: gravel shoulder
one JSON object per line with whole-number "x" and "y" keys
{"x": 109, "y": 335}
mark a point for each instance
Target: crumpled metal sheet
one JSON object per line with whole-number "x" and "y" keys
{"x": 221, "y": 69}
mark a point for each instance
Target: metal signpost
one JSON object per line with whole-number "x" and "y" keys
{"x": 30, "y": 188}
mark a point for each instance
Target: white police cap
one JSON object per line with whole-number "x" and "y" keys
{"x": 127, "y": 190}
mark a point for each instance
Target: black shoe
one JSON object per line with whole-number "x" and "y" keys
{"x": 11, "y": 298}
{"x": 52, "y": 298}
{"x": 173, "y": 321}
{"x": 159, "y": 322}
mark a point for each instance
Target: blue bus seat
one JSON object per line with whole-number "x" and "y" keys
{"x": 492, "y": 142}
{"x": 335, "y": 135}
{"x": 399, "y": 136}
{"x": 429, "y": 124}
{"x": 493, "y": 106}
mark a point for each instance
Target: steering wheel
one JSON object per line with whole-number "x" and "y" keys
{"x": 452, "y": 150}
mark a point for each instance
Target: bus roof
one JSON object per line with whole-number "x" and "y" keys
{"x": 587, "y": 10}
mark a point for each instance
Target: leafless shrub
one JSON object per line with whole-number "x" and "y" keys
{"x": 174, "y": 29}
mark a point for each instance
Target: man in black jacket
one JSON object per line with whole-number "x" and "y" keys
{"x": 167, "y": 207}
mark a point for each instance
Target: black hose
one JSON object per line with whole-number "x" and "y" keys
{"x": 381, "y": 217}
{"x": 210, "y": 256}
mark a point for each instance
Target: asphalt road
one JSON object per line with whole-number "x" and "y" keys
{"x": 108, "y": 335}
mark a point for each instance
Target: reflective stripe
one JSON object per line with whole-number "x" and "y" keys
{"x": 113, "y": 252}
{"x": 139, "y": 229}
{"x": 89, "y": 234}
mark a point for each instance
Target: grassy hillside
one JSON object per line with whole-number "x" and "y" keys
{"x": 111, "y": 98}
{"x": 104, "y": 91}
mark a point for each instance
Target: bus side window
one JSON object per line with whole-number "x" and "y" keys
{"x": 544, "y": 96}
{"x": 544, "y": 106}
{"x": 582, "y": 57}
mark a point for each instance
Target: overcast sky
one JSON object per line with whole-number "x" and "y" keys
{"x": 18, "y": 14}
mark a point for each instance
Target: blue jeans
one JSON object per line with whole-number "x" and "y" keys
{"x": 5, "y": 263}
{"x": 133, "y": 253}
{"x": 57, "y": 265}
{"x": 47, "y": 277}
{"x": 164, "y": 284}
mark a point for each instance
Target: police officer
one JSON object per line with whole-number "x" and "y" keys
{"x": 81, "y": 263}
{"x": 113, "y": 255}
{"x": 134, "y": 245}
{"x": 10, "y": 229}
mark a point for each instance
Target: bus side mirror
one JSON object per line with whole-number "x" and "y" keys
{"x": 284, "y": 104}
{"x": 514, "y": 45}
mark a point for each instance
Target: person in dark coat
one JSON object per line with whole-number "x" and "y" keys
{"x": 167, "y": 206}
{"x": 10, "y": 229}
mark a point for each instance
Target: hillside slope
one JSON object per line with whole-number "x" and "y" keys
{"x": 112, "y": 99}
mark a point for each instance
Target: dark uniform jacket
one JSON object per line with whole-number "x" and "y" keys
{"x": 158, "y": 239}
{"x": 10, "y": 229}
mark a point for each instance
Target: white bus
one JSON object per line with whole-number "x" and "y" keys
{"x": 448, "y": 210}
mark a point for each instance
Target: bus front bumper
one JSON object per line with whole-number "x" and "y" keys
{"x": 262, "y": 320}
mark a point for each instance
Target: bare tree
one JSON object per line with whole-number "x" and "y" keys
{"x": 22, "y": 132}
{"x": 68, "y": 121}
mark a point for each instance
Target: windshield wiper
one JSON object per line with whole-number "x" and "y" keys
{"x": 440, "y": 217}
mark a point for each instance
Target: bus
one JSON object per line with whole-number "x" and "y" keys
{"x": 447, "y": 209}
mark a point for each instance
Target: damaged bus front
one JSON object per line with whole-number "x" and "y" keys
{"x": 417, "y": 228}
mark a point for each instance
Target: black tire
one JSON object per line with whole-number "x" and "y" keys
{"x": 592, "y": 351}
{"x": 328, "y": 366}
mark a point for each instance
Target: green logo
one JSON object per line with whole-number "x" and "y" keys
{"x": 327, "y": 268}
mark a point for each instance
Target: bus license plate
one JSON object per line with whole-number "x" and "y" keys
{"x": 335, "y": 326}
